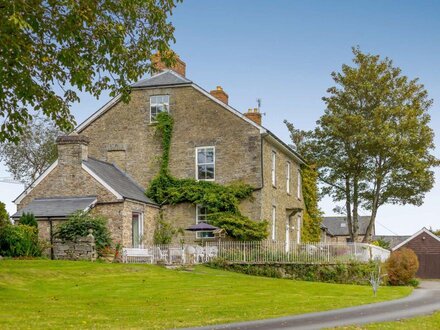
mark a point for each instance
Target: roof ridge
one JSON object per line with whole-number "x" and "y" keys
{"x": 61, "y": 197}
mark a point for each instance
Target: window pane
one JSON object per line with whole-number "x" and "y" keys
{"x": 201, "y": 158}
{"x": 209, "y": 155}
{"x": 209, "y": 172}
{"x": 135, "y": 230}
{"x": 201, "y": 175}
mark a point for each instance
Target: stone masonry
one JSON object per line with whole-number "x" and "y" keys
{"x": 83, "y": 248}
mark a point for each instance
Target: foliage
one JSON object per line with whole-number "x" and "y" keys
{"x": 239, "y": 227}
{"x": 51, "y": 49}
{"x": 312, "y": 216}
{"x": 222, "y": 201}
{"x": 78, "y": 225}
{"x": 342, "y": 273}
{"x": 91, "y": 294}
{"x": 20, "y": 241}
{"x": 28, "y": 158}
{"x": 4, "y": 215}
{"x": 28, "y": 219}
{"x": 373, "y": 145}
{"x": 402, "y": 266}
{"x": 381, "y": 243}
{"x": 164, "y": 231}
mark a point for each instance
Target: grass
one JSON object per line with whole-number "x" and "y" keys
{"x": 416, "y": 323}
{"x": 62, "y": 294}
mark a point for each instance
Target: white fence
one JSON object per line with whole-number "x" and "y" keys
{"x": 256, "y": 253}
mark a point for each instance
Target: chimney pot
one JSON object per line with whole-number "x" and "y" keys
{"x": 220, "y": 94}
{"x": 158, "y": 65}
{"x": 254, "y": 115}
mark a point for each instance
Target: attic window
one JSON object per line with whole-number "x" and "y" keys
{"x": 343, "y": 225}
{"x": 158, "y": 104}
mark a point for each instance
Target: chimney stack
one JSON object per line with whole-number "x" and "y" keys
{"x": 220, "y": 94}
{"x": 72, "y": 149}
{"x": 158, "y": 65}
{"x": 254, "y": 115}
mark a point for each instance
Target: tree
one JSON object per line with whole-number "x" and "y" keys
{"x": 35, "y": 151}
{"x": 373, "y": 144}
{"x": 87, "y": 45}
{"x": 4, "y": 216}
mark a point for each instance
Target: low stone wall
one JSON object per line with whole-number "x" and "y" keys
{"x": 83, "y": 248}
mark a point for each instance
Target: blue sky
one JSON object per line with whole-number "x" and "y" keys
{"x": 284, "y": 51}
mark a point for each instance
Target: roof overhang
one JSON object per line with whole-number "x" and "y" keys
{"x": 36, "y": 182}
{"x": 57, "y": 207}
{"x": 423, "y": 230}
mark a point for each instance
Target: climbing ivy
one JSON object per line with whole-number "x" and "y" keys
{"x": 222, "y": 201}
{"x": 311, "y": 229}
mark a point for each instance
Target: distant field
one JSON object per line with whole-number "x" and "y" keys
{"x": 61, "y": 294}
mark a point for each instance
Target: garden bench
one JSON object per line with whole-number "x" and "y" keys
{"x": 137, "y": 255}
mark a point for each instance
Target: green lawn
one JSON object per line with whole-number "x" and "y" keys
{"x": 63, "y": 294}
{"x": 416, "y": 323}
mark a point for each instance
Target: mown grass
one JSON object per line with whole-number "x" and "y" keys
{"x": 62, "y": 294}
{"x": 416, "y": 323}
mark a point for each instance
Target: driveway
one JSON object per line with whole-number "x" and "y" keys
{"x": 423, "y": 300}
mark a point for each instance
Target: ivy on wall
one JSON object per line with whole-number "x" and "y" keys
{"x": 222, "y": 201}
{"x": 312, "y": 216}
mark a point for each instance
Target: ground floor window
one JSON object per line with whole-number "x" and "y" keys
{"x": 202, "y": 217}
{"x": 274, "y": 223}
{"x": 137, "y": 229}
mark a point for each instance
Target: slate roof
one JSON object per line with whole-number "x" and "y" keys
{"x": 165, "y": 78}
{"x": 117, "y": 180}
{"x": 335, "y": 225}
{"x": 56, "y": 207}
{"x": 394, "y": 240}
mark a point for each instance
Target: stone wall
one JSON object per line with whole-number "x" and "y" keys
{"x": 199, "y": 121}
{"x": 83, "y": 248}
{"x": 277, "y": 195}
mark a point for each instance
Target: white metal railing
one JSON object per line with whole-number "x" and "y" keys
{"x": 256, "y": 252}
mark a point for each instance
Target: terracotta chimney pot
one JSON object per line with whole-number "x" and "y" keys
{"x": 220, "y": 94}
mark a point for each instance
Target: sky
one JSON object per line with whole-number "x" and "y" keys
{"x": 283, "y": 52}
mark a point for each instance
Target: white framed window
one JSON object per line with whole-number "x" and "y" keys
{"x": 274, "y": 222}
{"x": 137, "y": 229}
{"x": 205, "y": 163}
{"x": 298, "y": 193}
{"x": 274, "y": 166}
{"x": 202, "y": 217}
{"x": 288, "y": 183}
{"x": 298, "y": 229}
{"x": 158, "y": 104}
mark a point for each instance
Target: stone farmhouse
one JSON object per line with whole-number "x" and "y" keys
{"x": 109, "y": 160}
{"x": 335, "y": 229}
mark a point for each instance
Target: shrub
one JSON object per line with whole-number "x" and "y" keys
{"x": 402, "y": 266}
{"x": 20, "y": 241}
{"x": 28, "y": 219}
{"x": 351, "y": 273}
{"x": 78, "y": 225}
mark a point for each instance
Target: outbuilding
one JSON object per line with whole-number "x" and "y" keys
{"x": 426, "y": 246}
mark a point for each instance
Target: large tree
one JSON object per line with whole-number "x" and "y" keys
{"x": 373, "y": 144}
{"x": 36, "y": 150}
{"x": 48, "y": 46}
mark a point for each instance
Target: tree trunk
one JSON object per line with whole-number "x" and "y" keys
{"x": 348, "y": 207}
{"x": 355, "y": 219}
{"x": 374, "y": 207}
